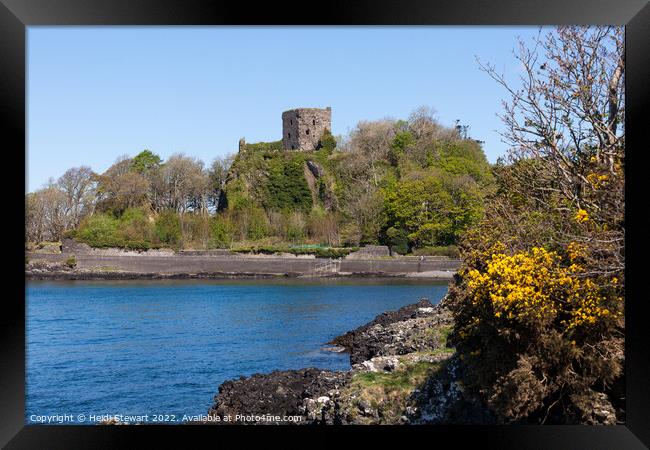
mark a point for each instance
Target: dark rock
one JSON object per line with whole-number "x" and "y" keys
{"x": 315, "y": 169}
{"x": 279, "y": 393}
{"x": 442, "y": 400}
{"x": 406, "y": 312}
{"x": 395, "y": 332}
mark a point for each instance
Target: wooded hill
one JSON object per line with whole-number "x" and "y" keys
{"x": 412, "y": 184}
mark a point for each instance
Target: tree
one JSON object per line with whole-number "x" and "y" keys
{"x": 145, "y": 160}
{"x": 365, "y": 209}
{"x": 121, "y": 187}
{"x": 569, "y": 115}
{"x": 35, "y": 217}
{"x": 327, "y": 141}
{"x": 373, "y": 140}
{"x": 538, "y": 303}
{"x": 218, "y": 175}
{"x": 184, "y": 184}
{"x": 78, "y": 186}
{"x": 433, "y": 208}
{"x": 46, "y": 214}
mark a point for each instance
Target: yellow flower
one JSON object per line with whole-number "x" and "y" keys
{"x": 581, "y": 216}
{"x": 536, "y": 285}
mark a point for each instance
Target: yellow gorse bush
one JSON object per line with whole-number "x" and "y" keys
{"x": 536, "y": 286}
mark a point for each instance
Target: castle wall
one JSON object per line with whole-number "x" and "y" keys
{"x": 302, "y": 128}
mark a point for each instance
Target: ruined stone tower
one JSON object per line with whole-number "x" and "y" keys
{"x": 302, "y": 128}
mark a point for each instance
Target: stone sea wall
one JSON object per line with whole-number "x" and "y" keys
{"x": 79, "y": 262}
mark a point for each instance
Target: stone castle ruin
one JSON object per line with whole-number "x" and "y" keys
{"x": 302, "y": 128}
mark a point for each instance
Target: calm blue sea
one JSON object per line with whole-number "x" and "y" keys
{"x": 163, "y": 347}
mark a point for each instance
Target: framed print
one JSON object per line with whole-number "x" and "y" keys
{"x": 422, "y": 219}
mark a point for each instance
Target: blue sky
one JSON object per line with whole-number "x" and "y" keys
{"x": 95, "y": 93}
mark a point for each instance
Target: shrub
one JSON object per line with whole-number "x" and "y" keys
{"x": 401, "y": 141}
{"x": 397, "y": 240}
{"x": 136, "y": 229}
{"x": 295, "y": 227}
{"x": 257, "y": 224}
{"x": 221, "y": 232}
{"x": 286, "y": 187}
{"x": 450, "y": 251}
{"x": 133, "y": 230}
{"x": 168, "y": 227}
{"x": 195, "y": 230}
{"x": 100, "y": 230}
{"x": 434, "y": 208}
{"x": 261, "y": 147}
{"x": 71, "y": 262}
{"x": 327, "y": 141}
{"x": 535, "y": 332}
{"x": 324, "y": 226}
{"x": 321, "y": 252}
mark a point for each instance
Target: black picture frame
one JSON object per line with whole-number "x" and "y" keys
{"x": 16, "y": 15}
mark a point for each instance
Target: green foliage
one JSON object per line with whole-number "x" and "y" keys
{"x": 401, "y": 141}
{"x": 237, "y": 196}
{"x": 144, "y": 161}
{"x": 397, "y": 240}
{"x": 294, "y": 227}
{"x": 262, "y": 147}
{"x": 258, "y": 226}
{"x": 286, "y": 186}
{"x": 71, "y": 262}
{"x": 251, "y": 222}
{"x": 133, "y": 230}
{"x": 327, "y": 141}
{"x": 321, "y": 252}
{"x": 409, "y": 184}
{"x": 195, "y": 230}
{"x": 168, "y": 227}
{"x": 450, "y": 251}
{"x": 136, "y": 229}
{"x": 464, "y": 157}
{"x": 434, "y": 208}
{"x": 100, "y": 230}
{"x": 221, "y": 232}
{"x": 405, "y": 379}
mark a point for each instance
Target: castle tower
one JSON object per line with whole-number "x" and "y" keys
{"x": 302, "y": 128}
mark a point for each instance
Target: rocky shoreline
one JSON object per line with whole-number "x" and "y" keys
{"x": 403, "y": 372}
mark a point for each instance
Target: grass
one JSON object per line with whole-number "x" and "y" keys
{"x": 443, "y": 334}
{"x": 406, "y": 378}
{"x": 388, "y": 393}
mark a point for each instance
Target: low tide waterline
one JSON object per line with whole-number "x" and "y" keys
{"x": 163, "y": 347}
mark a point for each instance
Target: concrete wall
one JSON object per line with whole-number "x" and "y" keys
{"x": 302, "y": 128}
{"x": 185, "y": 264}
